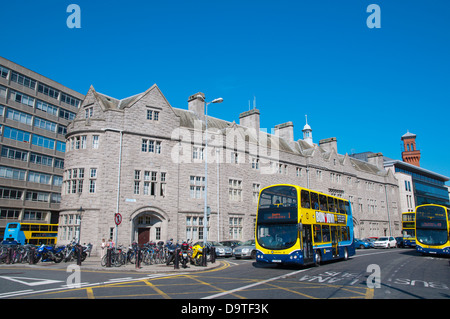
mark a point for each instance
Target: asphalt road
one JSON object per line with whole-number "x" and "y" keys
{"x": 370, "y": 274}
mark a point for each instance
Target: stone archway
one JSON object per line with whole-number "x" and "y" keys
{"x": 148, "y": 225}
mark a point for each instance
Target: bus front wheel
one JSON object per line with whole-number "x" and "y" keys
{"x": 318, "y": 258}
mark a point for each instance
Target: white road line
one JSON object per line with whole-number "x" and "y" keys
{"x": 255, "y": 284}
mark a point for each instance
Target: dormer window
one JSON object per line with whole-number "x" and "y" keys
{"x": 88, "y": 112}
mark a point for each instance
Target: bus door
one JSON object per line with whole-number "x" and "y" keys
{"x": 308, "y": 253}
{"x": 334, "y": 241}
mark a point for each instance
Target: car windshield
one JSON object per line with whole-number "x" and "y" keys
{"x": 383, "y": 239}
{"x": 248, "y": 243}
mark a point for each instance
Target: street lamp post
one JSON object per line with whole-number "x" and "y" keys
{"x": 205, "y": 215}
{"x": 80, "y": 211}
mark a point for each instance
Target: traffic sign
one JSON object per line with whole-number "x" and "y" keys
{"x": 118, "y": 219}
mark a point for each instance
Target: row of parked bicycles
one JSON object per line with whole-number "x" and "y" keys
{"x": 15, "y": 253}
{"x": 156, "y": 253}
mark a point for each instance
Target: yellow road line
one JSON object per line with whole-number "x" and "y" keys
{"x": 159, "y": 291}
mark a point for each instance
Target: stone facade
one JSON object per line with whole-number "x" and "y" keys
{"x": 145, "y": 159}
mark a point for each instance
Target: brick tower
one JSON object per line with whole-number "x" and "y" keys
{"x": 410, "y": 153}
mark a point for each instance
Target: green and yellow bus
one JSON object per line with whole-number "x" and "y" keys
{"x": 409, "y": 229}
{"x": 296, "y": 225}
{"x": 432, "y": 229}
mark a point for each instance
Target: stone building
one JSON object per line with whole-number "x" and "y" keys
{"x": 145, "y": 159}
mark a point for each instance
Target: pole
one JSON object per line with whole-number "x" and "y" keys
{"x": 387, "y": 206}
{"x": 118, "y": 185}
{"x": 205, "y": 213}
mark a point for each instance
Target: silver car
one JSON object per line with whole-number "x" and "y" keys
{"x": 246, "y": 249}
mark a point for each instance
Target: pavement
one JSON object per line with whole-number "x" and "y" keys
{"x": 94, "y": 263}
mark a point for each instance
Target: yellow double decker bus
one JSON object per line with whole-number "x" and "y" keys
{"x": 409, "y": 229}
{"x": 295, "y": 225}
{"x": 432, "y": 229}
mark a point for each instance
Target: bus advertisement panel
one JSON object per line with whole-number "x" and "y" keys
{"x": 295, "y": 225}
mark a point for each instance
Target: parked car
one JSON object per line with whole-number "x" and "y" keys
{"x": 385, "y": 242}
{"x": 361, "y": 243}
{"x": 231, "y": 243}
{"x": 399, "y": 241}
{"x": 246, "y": 249}
{"x": 221, "y": 250}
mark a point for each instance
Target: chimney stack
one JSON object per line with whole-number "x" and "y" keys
{"x": 250, "y": 119}
{"x": 196, "y": 103}
{"x": 285, "y": 131}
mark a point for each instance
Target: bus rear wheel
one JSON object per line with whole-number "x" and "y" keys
{"x": 345, "y": 253}
{"x": 317, "y": 258}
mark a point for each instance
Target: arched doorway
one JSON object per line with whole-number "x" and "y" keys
{"x": 148, "y": 226}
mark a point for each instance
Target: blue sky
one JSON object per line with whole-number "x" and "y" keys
{"x": 366, "y": 87}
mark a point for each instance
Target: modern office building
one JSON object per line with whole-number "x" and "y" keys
{"x": 34, "y": 114}
{"x": 417, "y": 185}
{"x": 145, "y": 159}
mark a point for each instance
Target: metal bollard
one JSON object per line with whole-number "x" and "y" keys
{"x": 108, "y": 257}
{"x": 8, "y": 255}
{"x": 213, "y": 254}
{"x": 138, "y": 258}
{"x": 31, "y": 256}
{"x": 205, "y": 256}
{"x": 176, "y": 260}
{"x": 79, "y": 251}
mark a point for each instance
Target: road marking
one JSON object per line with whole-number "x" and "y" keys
{"x": 255, "y": 284}
{"x": 31, "y": 281}
{"x": 159, "y": 291}
{"x": 90, "y": 293}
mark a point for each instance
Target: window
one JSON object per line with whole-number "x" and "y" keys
{"x": 256, "y": 188}
{"x": 22, "y": 98}
{"x": 70, "y": 100}
{"x": 66, "y": 114}
{"x": 255, "y": 163}
{"x": 44, "y": 124}
{"x": 13, "y": 153}
{"x": 23, "y": 80}
{"x": 45, "y": 107}
{"x": 47, "y": 90}
{"x": 3, "y": 72}
{"x": 37, "y": 177}
{"x": 16, "y": 134}
{"x": 92, "y": 180}
{"x": 88, "y": 112}
{"x": 18, "y": 116}
{"x": 36, "y": 196}
{"x": 137, "y": 177}
{"x": 197, "y": 186}
{"x": 95, "y": 141}
{"x": 41, "y": 159}
{"x": 235, "y": 190}
{"x": 43, "y": 141}
{"x": 149, "y": 146}
{"x": 12, "y": 173}
{"x": 194, "y": 227}
{"x": 235, "y": 227}
{"x": 10, "y": 193}
{"x": 152, "y": 115}
{"x": 197, "y": 153}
